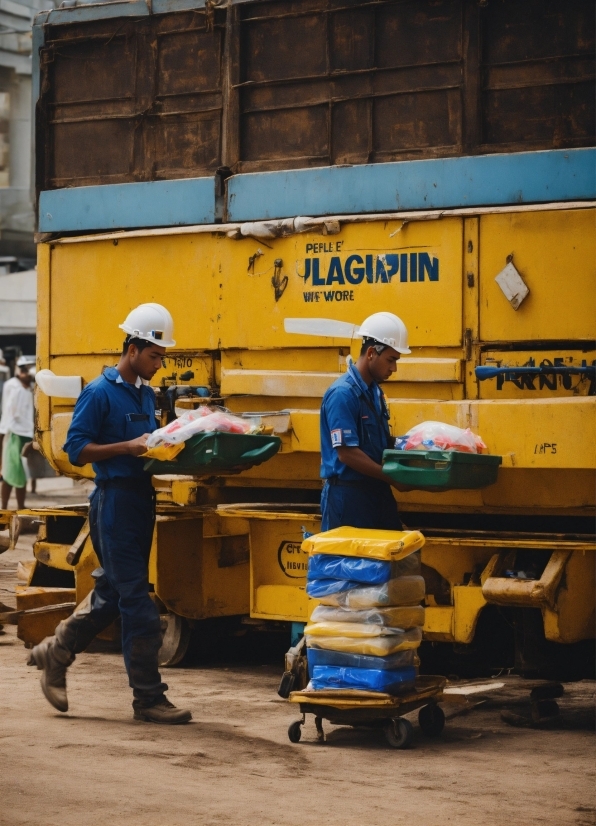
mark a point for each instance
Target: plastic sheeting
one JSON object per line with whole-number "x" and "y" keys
{"x": 354, "y": 568}
{"x": 405, "y": 590}
{"x": 366, "y": 679}
{"x": 386, "y": 545}
{"x": 370, "y": 646}
{"x": 350, "y": 629}
{"x": 319, "y": 656}
{"x": 395, "y": 617}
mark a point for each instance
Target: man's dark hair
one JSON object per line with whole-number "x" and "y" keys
{"x": 370, "y": 342}
{"x": 140, "y": 344}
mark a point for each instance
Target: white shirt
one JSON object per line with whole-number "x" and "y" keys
{"x": 138, "y": 381}
{"x": 17, "y": 409}
{"x": 9, "y": 386}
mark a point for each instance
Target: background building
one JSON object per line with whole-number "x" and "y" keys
{"x": 18, "y": 290}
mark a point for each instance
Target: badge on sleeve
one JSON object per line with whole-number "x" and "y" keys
{"x": 336, "y": 437}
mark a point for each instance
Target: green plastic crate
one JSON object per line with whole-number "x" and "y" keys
{"x": 441, "y": 469}
{"x": 206, "y": 453}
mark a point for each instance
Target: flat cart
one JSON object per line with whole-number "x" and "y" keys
{"x": 372, "y": 709}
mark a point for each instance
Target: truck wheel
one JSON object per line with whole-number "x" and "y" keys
{"x": 399, "y": 733}
{"x": 431, "y": 720}
{"x": 175, "y": 639}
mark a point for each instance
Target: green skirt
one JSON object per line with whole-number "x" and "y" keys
{"x": 13, "y": 470}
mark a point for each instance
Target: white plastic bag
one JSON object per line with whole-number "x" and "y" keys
{"x": 404, "y": 590}
{"x": 440, "y": 436}
{"x": 396, "y": 617}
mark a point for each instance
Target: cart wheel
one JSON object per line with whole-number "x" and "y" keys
{"x": 175, "y": 639}
{"x": 431, "y": 719}
{"x": 295, "y": 731}
{"x": 399, "y": 733}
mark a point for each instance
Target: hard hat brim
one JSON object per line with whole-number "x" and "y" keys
{"x": 150, "y": 339}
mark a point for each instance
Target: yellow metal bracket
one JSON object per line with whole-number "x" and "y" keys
{"x": 529, "y": 593}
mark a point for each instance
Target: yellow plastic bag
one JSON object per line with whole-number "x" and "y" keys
{"x": 164, "y": 453}
{"x": 369, "y": 646}
{"x": 385, "y": 545}
{"x": 349, "y": 629}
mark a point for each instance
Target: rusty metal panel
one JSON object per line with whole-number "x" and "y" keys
{"x": 285, "y": 84}
{"x": 338, "y": 82}
{"x": 327, "y": 82}
{"x": 537, "y": 74}
{"x": 131, "y": 100}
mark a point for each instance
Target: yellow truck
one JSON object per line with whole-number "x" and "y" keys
{"x": 253, "y": 182}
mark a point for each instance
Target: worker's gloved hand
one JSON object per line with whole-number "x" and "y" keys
{"x": 138, "y": 446}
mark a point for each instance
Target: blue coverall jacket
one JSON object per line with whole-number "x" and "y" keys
{"x": 354, "y": 415}
{"x": 121, "y": 519}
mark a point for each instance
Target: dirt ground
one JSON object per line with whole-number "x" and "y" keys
{"x": 235, "y": 765}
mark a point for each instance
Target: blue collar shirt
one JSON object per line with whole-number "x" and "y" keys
{"x": 352, "y": 415}
{"x": 111, "y": 410}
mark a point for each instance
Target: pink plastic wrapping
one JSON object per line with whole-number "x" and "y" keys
{"x": 440, "y": 436}
{"x": 202, "y": 420}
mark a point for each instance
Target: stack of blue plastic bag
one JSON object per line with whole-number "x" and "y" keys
{"x": 366, "y": 628}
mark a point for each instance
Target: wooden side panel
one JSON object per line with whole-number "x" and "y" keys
{"x": 330, "y": 84}
{"x": 537, "y": 74}
{"x": 132, "y": 100}
{"x": 279, "y": 85}
{"x": 324, "y": 84}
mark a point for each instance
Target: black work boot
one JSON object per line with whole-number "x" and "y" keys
{"x": 53, "y": 660}
{"x": 163, "y": 712}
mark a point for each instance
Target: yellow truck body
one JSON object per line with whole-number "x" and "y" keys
{"x": 229, "y": 324}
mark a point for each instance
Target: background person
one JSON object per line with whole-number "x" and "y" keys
{"x": 16, "y": 431}
{"x": 355, "y": 431}
{"x": 4, "y": 375}
{"x": 112, "y": 419}
{"x": 8, "y": 386}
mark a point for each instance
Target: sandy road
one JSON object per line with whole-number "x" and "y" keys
{"x": 234, "y": 764}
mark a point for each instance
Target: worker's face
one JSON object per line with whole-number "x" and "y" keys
{"x": 24, "y": 376}
{"x": 146, "y": 362}
{"x": 384, "y": 365}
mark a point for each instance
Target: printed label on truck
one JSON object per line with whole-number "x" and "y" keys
{"x": 354, "y": 270}
{"x": 292, "y": 559}
{"x": 543, "y": 374}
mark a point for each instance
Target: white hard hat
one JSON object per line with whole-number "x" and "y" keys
{"x": 388, "y": 329}
{"x": 25, "y": 361}
{"x": 151, "y": 322}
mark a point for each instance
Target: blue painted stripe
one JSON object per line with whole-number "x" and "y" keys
{"x": 482, "y": 180}
{"x": 167, "y": 6}
{"x": 94, "y": 11}
{"x": 490, "y": 180}
{"x": 128, "y": 206}
{"x": 105, "y": 11}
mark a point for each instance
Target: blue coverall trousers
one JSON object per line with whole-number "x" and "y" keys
{"x": 121, "y": 520}
{"x": 367, "y": 504}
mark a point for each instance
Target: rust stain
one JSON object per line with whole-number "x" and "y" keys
{"x": 272, "y": 85}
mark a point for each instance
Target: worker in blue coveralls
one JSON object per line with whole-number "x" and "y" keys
{"x": 355, "y": 432}
{"x": 112, "y": 419}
